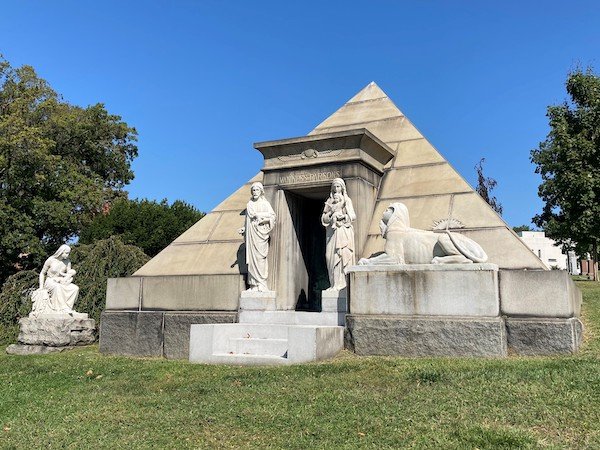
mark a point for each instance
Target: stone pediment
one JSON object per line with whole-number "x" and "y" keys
{"x": 358, "y": 145}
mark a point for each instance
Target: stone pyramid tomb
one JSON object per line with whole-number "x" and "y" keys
{"x": 383, "y": 159}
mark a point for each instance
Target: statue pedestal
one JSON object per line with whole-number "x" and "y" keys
{"x": 55, "y": 331}
{"x": 426, "y": 310}
{"x": 257, "y": 301}
{"x": 333, "y": 300}
{"x": 425, "y": 290}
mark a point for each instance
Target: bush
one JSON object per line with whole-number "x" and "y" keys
{"x": 15, "y": 302}
{"x": 15, "y": 297}
{"x": 94, "y": 263}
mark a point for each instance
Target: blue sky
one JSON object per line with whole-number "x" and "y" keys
{"x": 202, "y": 80}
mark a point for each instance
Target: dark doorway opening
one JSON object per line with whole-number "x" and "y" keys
{"x": 307, "y": 207}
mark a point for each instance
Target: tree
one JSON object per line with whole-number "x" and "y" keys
{"x": 59, "y": 164}
{"x": 147, "y": 224}
{"x": 485, "y": 186}
{"x": 569, "y": 163}
{"x": 520, "y": 228}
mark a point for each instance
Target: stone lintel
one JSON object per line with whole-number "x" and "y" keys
{"x": 353, "y": 145}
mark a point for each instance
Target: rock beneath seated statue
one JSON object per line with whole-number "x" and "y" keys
{"x": 57, "y": 331}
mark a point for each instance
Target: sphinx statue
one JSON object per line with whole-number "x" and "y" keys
{"x": 406, "y": 245}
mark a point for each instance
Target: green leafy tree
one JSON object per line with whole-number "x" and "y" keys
{"x": 569, "y": 163}
{"x": 485, "y": 186}
{"x": 59, "y": 164}
{"x": 520, "y": 228}
{"x": 147, "y": 224}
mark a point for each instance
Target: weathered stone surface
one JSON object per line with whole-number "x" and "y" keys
{"x": 544, "y": 336}
{"x": 135, "y": 333}
{"x": 254, "y": 344}
{"x": 426, "y": 336}
{"x": 192, "y": 293}
{"x": 177, "y": 330}
{"x": 24, "y": 350}
{"x": 258, "y": 301}
{"x": 539, "y": 293}
{"x": 123, "y": 293}
{"x": 334, "y": 301}
{"x": 57, "y": 332}
{"x": 425, "y": 289}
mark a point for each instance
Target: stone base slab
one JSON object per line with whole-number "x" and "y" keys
{"x": 153, "y": 333}
{"x": 255, "y": 344}
{"x": 56, "y": 332}
{"x": 334, "y": 301}
{"x": 539, "y": 293}
{"x": 258, "y": 301}
{"x": 425, "y": 290}
{"x": 293, "y": 317}
{"x": 24, "y": 350}
{"x": 543, "y": 336}
{"x": 426, "y": 336}
{"x": 176, "y": 334}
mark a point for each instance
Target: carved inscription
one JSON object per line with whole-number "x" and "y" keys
{"x": 309, "y": 177}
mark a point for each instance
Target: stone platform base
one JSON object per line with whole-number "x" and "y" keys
{"x": 258, "y": 301}
{"x": 325, "y": 318}
{"x": 153, "y": 333}
{"x": 24, "y": 350}
{"x": 543, "y": 336}
{"x": 426, "y": 336}
{"x": 57, "y": 331}
{"x": 255, "y": 344}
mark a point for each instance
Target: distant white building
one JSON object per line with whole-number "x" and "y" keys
{"x": 550, "y": 253}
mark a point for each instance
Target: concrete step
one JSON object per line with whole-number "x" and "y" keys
{"x": 266, "y": 344}
{"x": 292, "y": 318}
{"x": 258, "y": 346}
{"x": 238, "y": 359}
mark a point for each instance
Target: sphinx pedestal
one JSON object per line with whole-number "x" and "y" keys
{"x": 426, "y": 310}
{"x": 461, "y": 310}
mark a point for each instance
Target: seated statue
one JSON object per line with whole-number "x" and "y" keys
{"x": 406, "y": 245}
{"x": 57, "y": 293}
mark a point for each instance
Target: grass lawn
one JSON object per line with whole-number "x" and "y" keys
{"x": 81, "y": 399}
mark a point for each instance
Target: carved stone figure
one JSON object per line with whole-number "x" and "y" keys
{"x": 260, "y": 220}
{"x": 338, "y": 215}
{"x": 406, "y": 245}
{"x": 57, "y": 292}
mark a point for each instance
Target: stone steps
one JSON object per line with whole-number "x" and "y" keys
{"x": 263, "y": 344}
{"x": 241, "y": 359}
{"x": 259, "y": 346}
{"x": 326, "y": 318}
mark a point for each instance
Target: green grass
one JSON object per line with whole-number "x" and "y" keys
{"x": 81, "y": 399}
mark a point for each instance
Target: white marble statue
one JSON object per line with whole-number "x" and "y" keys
{"x": 406, "y": 245}
{"x": 260, "y": 220}
{"x": 338, "y": 215}
{"x": 57, "y": 292}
